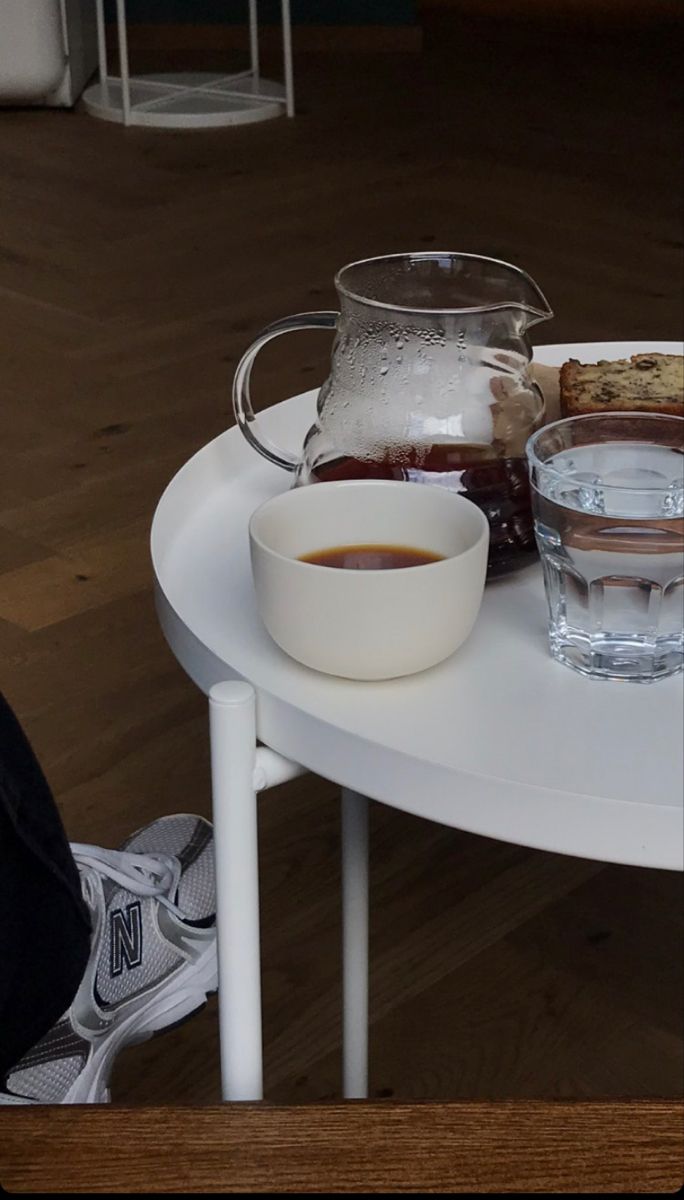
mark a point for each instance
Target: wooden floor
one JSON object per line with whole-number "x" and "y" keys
{"x": 134, "y": 268}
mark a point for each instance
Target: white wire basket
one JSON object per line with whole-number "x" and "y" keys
{"x": 190, "y": 99}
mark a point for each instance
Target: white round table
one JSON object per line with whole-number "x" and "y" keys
{"x": 499, "y": 740}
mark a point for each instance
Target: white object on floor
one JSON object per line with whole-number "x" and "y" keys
{"x": 48, "y": 51}
{"x": 190, "y": 100}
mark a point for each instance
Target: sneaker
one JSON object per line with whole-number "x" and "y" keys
{"x": 152, "y": 963}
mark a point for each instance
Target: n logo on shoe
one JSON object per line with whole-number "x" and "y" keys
{"x": 125, "y": 942}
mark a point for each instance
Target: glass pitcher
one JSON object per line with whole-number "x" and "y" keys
{"x": 429, "y": 382}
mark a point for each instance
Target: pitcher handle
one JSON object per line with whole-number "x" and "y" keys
{"x": 242, "y": 403}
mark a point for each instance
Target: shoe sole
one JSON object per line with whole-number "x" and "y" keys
{"x": 185, "y": 994}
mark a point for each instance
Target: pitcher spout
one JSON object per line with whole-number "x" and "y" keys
{"x": 530, "y": 299}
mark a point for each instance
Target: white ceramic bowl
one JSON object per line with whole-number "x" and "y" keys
{"x": 368, "y": 624}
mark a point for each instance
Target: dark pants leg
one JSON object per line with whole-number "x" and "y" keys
{"x": 44, "y": 922}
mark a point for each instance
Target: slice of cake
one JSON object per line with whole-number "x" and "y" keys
{"x": 651, "y": 383}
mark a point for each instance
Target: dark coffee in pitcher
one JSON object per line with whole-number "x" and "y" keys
{"x": 499, "y": 486}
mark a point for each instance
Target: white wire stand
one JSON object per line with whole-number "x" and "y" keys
{"x": 189, "y": 100}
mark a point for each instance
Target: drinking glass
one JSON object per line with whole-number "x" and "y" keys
{"x": 608, "y": 504}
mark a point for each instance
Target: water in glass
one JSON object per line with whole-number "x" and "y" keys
{"x": 609, "y": 522}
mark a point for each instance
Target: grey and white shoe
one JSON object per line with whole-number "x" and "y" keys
{"x": 152, "y": 963}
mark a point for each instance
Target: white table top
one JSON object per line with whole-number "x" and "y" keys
{"x": 499, "y": 740}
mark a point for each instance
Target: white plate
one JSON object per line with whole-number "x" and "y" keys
{"x": 593, "y": 352}
{"x": 587, "y": 352}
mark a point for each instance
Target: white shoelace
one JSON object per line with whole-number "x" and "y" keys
{"x": 142, "y": 874}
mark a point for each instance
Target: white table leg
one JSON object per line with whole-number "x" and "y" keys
{"x": 287, "y": 57}
{"x": 123, "y": 61}
{"x": 254, "y": 42}
{"x": 102, "y": 49}
{"x": 355, "y": 944}
{"x": 232, "y": 723}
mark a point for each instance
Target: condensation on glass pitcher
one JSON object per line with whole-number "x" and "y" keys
{"x": 394, "y": 385}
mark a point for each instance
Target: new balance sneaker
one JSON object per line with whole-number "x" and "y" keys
{"x": 152, "y": 962}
